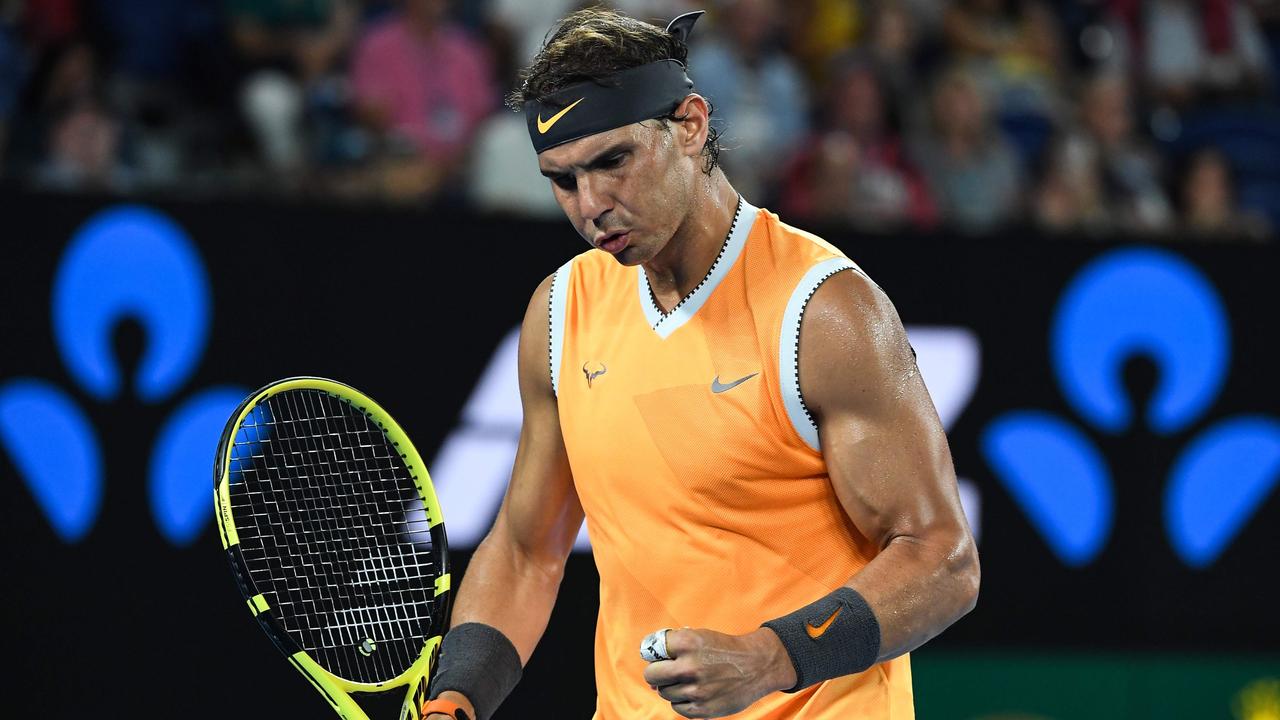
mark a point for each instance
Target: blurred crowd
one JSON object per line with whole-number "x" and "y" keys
{"x": 1076, "y": 116}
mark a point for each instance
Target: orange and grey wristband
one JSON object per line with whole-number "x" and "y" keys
{"x": 833, "y": 636}
{"x": 480, "y": 662}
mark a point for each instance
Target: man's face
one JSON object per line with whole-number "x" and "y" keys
{"x": 626, "y": 190}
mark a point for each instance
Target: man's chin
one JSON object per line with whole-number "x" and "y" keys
{"x": 629, "y": 256}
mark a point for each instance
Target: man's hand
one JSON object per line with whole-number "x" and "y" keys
{"x": 712, "y": 674}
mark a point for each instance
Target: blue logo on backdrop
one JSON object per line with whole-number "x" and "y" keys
{"x": 125, "y": 262}
{"x": 1126, "y": 303}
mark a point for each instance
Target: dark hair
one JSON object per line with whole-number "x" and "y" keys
{"x": 590, "y": 45}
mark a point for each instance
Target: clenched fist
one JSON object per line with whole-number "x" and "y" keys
{"x": 711, "y": 674}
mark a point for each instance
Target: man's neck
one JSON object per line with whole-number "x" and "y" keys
{"x": 688, "y": 256}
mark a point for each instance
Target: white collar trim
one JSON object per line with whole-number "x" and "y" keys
{"x": 665, "y": 324}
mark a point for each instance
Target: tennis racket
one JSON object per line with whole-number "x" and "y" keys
{"x": 335, "y": 538}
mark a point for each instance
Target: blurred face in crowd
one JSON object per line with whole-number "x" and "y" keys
{"x": 958, "y": 108}
{"x": 893, "y": 31}
{"x": 628, "y": 190}
{"x": 751, "y": 23}
{"x": 858, "y": 106}
{"x": 1207, "y": 189}
{"x": 427, "y": 13}
{"x": 1106, "y": 110}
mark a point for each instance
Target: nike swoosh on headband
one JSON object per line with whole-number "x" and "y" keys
{"x": 543, "y": 127}
{"x": 718, "y": 387}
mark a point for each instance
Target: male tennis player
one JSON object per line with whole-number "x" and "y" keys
{"x": 734, "y": 407}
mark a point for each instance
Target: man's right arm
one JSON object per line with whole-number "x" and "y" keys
{"x": 514, "y": 576}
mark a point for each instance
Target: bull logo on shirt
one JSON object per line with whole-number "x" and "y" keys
{"x": 590, "y": 371}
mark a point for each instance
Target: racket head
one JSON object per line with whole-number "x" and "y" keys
{"x": 335, "y": 537}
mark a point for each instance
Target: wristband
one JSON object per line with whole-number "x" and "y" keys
{"x": 445, "y": 707}
{"x": 833, "y": 636}
{"x": 481, "y": 663}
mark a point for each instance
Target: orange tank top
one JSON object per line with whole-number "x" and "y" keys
{"x": 707, "y": 498}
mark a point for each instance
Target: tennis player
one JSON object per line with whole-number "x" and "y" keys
{"x": 733, "y": 406}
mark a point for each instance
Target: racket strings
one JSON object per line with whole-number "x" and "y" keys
{"x": 335, "y": 534}
{"x": 351, "y": 616}
{"x": 396, "y": 574}
{"x": 375, "y": 566}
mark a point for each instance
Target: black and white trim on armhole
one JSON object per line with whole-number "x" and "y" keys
{"x": 789, "y": 346}
{"x": 557, "y": 306}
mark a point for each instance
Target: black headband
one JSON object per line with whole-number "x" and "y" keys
{"x": 630, "y": 96}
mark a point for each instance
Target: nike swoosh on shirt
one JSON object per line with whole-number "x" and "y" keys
{"x": 718, "y": 387}
{"x": 543, "y": 127}
{"x": 817, "y": 631}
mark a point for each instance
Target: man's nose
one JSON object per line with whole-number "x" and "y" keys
{"x": 593, "y": 199}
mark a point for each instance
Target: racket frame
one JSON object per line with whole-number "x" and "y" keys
{"x": 336, "y": 690}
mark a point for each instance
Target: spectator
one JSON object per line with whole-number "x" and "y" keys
{"x": 1100, "y": 175}
{"x": 35, "y": 36}
{"x": 1011, "y": 47}
{"x": 287, "y": 49}
{"x": 1071, "y": 196}
{"x": 79, "y": 133}
{"x": 503, "y": 176}
{"x": 1208, "y": 200}
{"x": 893, "y": 41}
{"x": 973, "y": 173}
{"x": 425, "y": 85}
{"x": 163, "y": 64}
{"x": 305, "y": 38}
{"x": 525, "y": 23}
{"x": 84, "y": 151}
{"x": 820, "y": 30}
{"x": 856, "y": 171}
{"x": 1203, "y": 46}
{"x": 1131, "y": 168}
{"x": 758, "y": 87}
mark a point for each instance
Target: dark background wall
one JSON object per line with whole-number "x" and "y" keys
{"x": 127, "y": 607}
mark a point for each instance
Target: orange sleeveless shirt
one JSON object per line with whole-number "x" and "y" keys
{"x": 707, "y": 498}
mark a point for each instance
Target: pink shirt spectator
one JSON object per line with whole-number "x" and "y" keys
{"x": 433, "y": 90}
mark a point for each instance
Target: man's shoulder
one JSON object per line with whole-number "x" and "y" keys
{"x": 594, "y": 271}
{"x": 594, "y": 263}
{"x": 796, "y": 244}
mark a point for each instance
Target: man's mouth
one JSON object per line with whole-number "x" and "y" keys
{"x": 614, "y": 242}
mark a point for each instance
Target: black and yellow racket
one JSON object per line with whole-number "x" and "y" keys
{"x": 335, "y": 538}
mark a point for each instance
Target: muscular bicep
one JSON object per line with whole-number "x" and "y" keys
{"x": 889, "y": 462}
{"x": 881, "y": 438}
{"x": 541, "y": 509}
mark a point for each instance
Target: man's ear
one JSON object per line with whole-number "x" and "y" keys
{"x": 696, "y": 123}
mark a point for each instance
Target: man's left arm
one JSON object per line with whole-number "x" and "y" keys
{"x": 889, "y": 463}
{"x": 891, "y": 469}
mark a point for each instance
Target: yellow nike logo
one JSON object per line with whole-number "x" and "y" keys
{"x": 817, "y": 631}
{"x": 543, "y": 127}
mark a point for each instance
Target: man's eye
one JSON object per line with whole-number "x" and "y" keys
{"x": 611, "y": 162}
{"x": 566, "y": 182}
